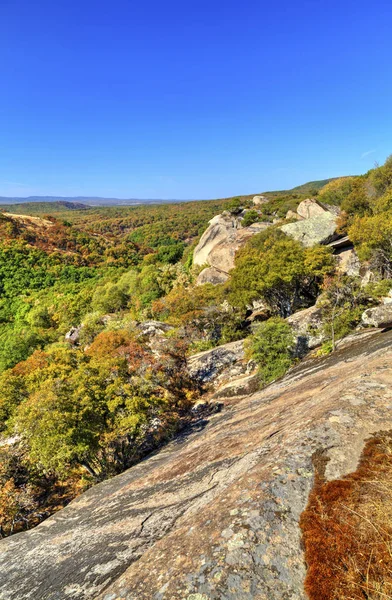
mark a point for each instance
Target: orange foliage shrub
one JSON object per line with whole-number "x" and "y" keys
{"x": 347, "y": 530}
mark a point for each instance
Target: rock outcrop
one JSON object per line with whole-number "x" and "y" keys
{"x": 211, "y": 275}
{"x": 309, "y": 208}
{"x": 348, "y": 262}
{"x": 320, "y": 229}
{"x": 307, "y": 326}
{"x": 379, "y": 316}
{"x": 258, "y": 200}
{"x": 221, "y": 240}
{"x": 221, "y": 363}
{"x": 214, "y": 515}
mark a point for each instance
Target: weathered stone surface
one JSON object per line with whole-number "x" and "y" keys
{"x": 222, "y": 239}
{"x": 241, "y": 386}
{"x": 72, "y": 336}
{"x": 211, "y": 275}
{"x": 348, "y": 262}
{"x": 387, "y": 299}
{"x": 379, "y": 316}
{"x": 209, "y": 365}
{"x": 316, "y": 230}
{"x": 307, "y": 327}
{"x": 311, "y": 207}
{"x": 214, "y": 515}
{"x": 257, "y": 200}
{"x": 260, "y": 311}
{"x": 291, "y": 214}
{"x": 153, "y": 328}
{"x": 221, "y": 228}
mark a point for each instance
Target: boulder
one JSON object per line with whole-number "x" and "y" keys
{"x": 260, "y": 311}
{"x": 379, "y": 316}
{"x": 211, "y": 275}
{"x": 223, "y": 362}
{"x": 221, "y": 228}
{"x": 291, "y": 214}
{"x": 387, "y": 299}
{"x": 348, "y": 262}
{"x": 307, "y": 326}
{"x": 153, "y": 328}
{"x": 73, "y": 335}
{"x": 310, "y": 208}
{"x": 222, "y": 239}
{"x": 247, "y": 384}
{"x": 258, "y": 200}
{"x": 315, "y": 230}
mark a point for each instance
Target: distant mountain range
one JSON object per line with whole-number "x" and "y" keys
{"x": 75, "y": 202}
{"x": 84, "y": 201}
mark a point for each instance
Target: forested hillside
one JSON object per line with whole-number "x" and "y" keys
{"x": 83, "y": 392}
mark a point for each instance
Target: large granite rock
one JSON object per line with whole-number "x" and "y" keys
{"x": 215, "y": 514}
{"x": 221, "y": 363}
{"x": 348, "y": 262}
{"x": 258, "y": 200}
{"x": 291, "y": 214}
{"x": 320, "y": 229}
{"x": 211, "y": 275}
{"x": 307, "y": 326}
{"x": 379, "y": 316}
{"x": 311, "y": 207}
{"x": 222, "y": 228}
{"x": 220, "y": 242}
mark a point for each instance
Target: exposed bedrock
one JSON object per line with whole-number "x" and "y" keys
{"x": 214, "y": 515}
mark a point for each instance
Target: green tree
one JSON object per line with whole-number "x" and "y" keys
{"x": 271, "y": 346}
{"x": 278, "y": 269}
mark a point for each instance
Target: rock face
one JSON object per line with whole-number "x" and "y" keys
{"x": 291, "y": 214}
{"x": 222, "y": 228}
{"x": 307, "y": 326}
{"x": 221, "y": 240}
{"x": 72, "y": 336}
{"x": 214, "y": 515}
{"x": 153, "y": 328}
{"x": 211, "y": 275}
{"x": 310, "y": 208}
{"x": 320, "y": 229}
{"x": 379, "y": 316}
{"x": 258, "y": 200}
{"x": 223, "y": 362}
{"x": 348, "y": 262}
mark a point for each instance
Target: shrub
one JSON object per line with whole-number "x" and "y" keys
{"x": 271, "y": 347}
{"x": 251, "y": 216}
{"x": 234, "y": 206}
{"x": 372, "y": 237}
{"x": 347, "y": 529}
{"x": 336, "y": 191}
{"x": 280, "y": 270}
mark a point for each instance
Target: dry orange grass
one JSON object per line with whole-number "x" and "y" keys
{"x": 347, "y": 530}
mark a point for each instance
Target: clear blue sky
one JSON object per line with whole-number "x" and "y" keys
{"x": 190, "y": 99}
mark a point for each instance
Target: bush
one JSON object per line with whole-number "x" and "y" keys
{"x": 372, "y": 237}
{"x": 280, "y": 270}
{"x": 336, "y": 191}
{"x": 271, "y": 347}
{"x": 251, "y": 216}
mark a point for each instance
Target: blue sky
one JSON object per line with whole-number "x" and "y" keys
{"x": 190, "y": 99}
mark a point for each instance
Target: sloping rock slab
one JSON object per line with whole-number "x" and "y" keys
{"x": 316, "y": 230}
{"x": 208, "y": 365}
{"x": 213, "y": 516}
